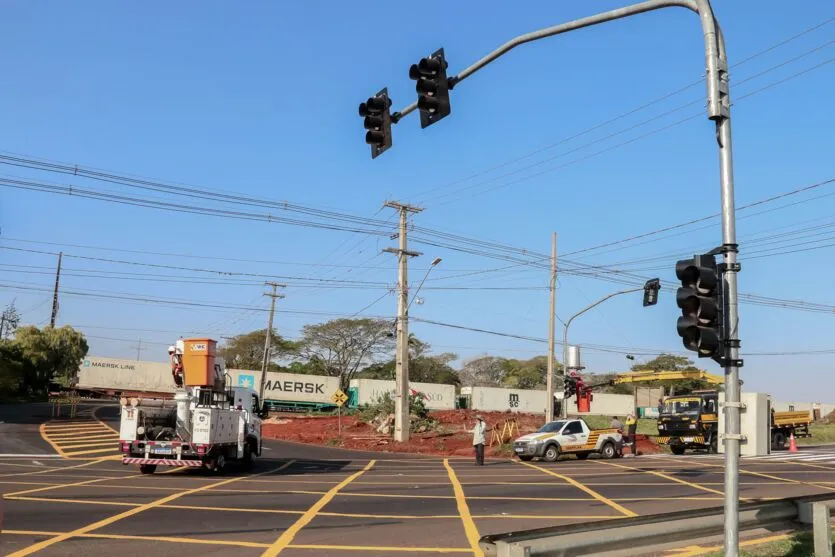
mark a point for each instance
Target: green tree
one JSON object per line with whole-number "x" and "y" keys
{"x": 246, "y": 351}
{"x": 528, "y": 374}
{"x": 15, "y": 370}
{"x": 486, "y": 371}
{"x": 341, "y": 347}
{"x": 9, "y": 320}
{"x": 423, "y": 366}
{"x": 671, "y": 362}
{"x": 54, "y": 355}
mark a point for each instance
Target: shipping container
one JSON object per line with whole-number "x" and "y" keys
{"x": 435, "y": 395}
{"x": 503, "y": 400}
{"x": 113, "y": 375}
{"x": 289, "y": 390}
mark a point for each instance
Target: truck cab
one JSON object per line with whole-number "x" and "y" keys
{"x": 570, "y": 436}
{"x": 689, "y": 422}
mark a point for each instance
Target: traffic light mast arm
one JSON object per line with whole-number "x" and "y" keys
{"x": 714, "y": 46}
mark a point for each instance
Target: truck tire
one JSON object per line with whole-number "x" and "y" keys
{"x": 608, "y": 450}
{"x": 582, "y": 456}
{"x": 147, "y": 468}
{"x": 249, "y": 456}
{"x": 551, "y": 454}
{"x": 778, "y": 441}
{"x": 218, "y": 465}
{"x": 713, "y": 448}
{"x": 525, "y": 458}
{"x": 677, "y": 449}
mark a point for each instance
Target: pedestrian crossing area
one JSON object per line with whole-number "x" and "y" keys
{"x": 81, "y": 437}
{"x": 808, "y": 455}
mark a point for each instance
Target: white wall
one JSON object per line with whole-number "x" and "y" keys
{"x": 606, "y": 404}
{"x": 436, "y": 396}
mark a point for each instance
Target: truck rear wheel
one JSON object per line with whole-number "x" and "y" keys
{"x": 677, "y": 449}
{"x": 147, "y": 468}
{"x": 249, "y": 456}
{"x": 608, "y": 450}
{"x": 551, "y": 454}
{"x": 778, "y": 441}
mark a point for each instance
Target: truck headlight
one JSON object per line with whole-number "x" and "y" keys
{"x": 661, "y": 427}
{"x": 692, "y": 426}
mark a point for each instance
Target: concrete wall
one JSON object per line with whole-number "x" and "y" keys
{"x": 435, "y": 396}
{"x": 607, "y": 404}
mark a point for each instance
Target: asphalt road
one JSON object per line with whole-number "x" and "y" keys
{"x": 316, "y": 501}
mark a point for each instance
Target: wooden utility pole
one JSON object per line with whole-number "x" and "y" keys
{"x": 549, "y": 408}
{"x": 401, "y": 394}
{"x": 55, "y": 292}
{"x": 266, "y": 362}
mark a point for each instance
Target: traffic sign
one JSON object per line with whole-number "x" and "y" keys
{"x": 339, "y": 398}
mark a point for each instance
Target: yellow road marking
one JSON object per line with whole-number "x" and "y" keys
{"x": 74, "y": 484}
{"x": 593, "y": 493}
{"x": 213, "y": 541}
{"x": 287, "y": 536}
{"x": 693, "y": 550}
{"x": 42, "y": 431}
{"x": 76, "y": 430}
{"x": 73, "y": 501}
{"x": 71, "y": 438}
{"x": 136, "y": 510}
{"x": 464, "y": 510}
{"x": 93, "y": 444}
{"x": 671, "y": 478}
{"x": 778, "y": 478}
{"x": 51, "y": 469}
{"x": 92, "y": 451}
{"x": 94, "y": 413}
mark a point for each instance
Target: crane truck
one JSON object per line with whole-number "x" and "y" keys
{"x": 208, "y": 423}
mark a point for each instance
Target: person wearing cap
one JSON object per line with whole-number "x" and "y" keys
{"x": 632, "y": 430}
{"x": 478, "y": 439}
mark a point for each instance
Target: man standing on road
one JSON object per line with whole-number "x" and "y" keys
{"x": 632, "y": 430}
{"x": 478, "y": 440}
{"x": 616, "y": 424}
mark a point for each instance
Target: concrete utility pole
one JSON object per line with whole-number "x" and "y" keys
{"x": 549, "y": 408}
{"x": 265, "y": 364}
{"x": 401, "y": 393}
{"x": 55, "y": 292}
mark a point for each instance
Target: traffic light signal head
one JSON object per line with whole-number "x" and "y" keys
{"x": 700, "y": 300}
{"x": 432, "y": 88}
{"x": 376, "y": 114}
{"x": 651, "y": 289}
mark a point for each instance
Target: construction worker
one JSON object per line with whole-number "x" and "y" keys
{"x": 632, "y": 430}
{"x": 478, "y": 440}
{"x": 616, "y": 424}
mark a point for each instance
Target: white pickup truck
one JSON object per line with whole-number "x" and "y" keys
{"x": 571, "y": 436}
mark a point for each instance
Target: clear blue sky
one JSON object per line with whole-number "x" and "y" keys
{"x": 261, "y": 98}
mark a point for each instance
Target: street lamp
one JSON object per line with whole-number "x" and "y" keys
{"x": 650, "y": 290}
{"x": 429, "y": 270}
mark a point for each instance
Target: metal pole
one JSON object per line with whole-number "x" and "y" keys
{"x": 549, "y": 407}
{"x": 568, "y": 324}
{"x": 55, "y": 292}
{"x": 266, "y": 360}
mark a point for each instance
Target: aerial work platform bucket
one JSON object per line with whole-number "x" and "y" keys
{"x": 199, "y": 362}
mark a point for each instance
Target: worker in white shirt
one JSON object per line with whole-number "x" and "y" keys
{"x": 478, "y": 440}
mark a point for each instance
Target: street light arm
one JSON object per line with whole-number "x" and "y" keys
{"x": 600, "y": 301}
{"x": 429, "y": 270}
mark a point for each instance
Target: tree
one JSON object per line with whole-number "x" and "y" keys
{"x": 9, "y": 320}
{"x": 423, "y": 367}
{"x": 671, "y": 362}
{"x": 15, "y": 370}
{"x": 486, "y": 371}
{"x": 54, "y": 355}
{"x": 341, "y": 347}
{"x": 246, "y": 351}
{"x": 528, "y": 374}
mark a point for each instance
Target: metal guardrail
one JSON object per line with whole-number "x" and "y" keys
{"x": 643, "y": 531}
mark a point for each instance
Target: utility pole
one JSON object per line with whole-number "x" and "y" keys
{"x": 549, "y": 408}
{"x": 265, "y": 364}
{"x": 55, "y": 292}
{"x": 401, "y": 393}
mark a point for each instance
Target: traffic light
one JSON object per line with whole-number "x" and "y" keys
{"x": 377, "y": 114}
{"x": 569, "y": 387}
{"x": 700, "y": 300}
{"x": 432, "y": 88}
{"x": 651, "y": 289}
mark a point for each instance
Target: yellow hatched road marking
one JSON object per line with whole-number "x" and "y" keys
{"x": 92, "y": 451}
{"x": 34, "y": 548}
{"x": 93, "y": 435}
{"x": 588, "y": 490}
{"x": 51, "y": 469}
{"x": 671, "y": 478}
{"x": 91, "y": 444}
{"x": 68, "y": 430}
{"x": 287, "y": 536}
{"x": 464, "y": 510}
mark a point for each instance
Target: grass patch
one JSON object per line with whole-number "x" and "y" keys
{"x": 800, "y": 544}
{"x": 646, "y": 426}
{"x": 821, "y": 434}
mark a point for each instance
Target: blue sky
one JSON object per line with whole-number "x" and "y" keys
{"x": 261, "y": 99}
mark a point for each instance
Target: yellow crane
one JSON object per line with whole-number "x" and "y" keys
{"x": 645, "y": 376}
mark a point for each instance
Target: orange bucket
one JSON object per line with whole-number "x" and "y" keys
{"x": 199, "y": 361}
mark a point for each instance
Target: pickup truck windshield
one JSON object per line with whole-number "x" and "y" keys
{"x": 682, "y": 406}
{"x": 552, "y": 427}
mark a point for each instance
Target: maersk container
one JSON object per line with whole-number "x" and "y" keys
{"x": 309, "y": 390}
{"x": 118, "y": 375}
{"x": 435, "y": 396}
{"x": 504, "y": 400}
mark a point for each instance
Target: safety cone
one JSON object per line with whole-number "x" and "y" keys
{"x": 792, "y": 443}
